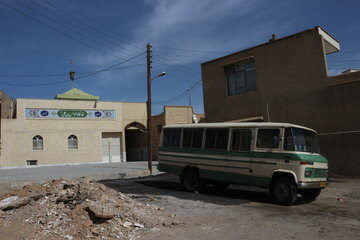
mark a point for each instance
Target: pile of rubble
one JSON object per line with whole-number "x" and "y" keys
{"x": 64, "y": 209}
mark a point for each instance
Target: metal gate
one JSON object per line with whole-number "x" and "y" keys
{"x": 111, "y": 149}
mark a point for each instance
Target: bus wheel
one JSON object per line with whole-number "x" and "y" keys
{"x": 283, "y": 191}
{"x": 310, "y": 194}
{"x": 191, "y": 180}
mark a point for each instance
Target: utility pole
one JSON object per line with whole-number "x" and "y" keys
{"x": 148, "y": 106}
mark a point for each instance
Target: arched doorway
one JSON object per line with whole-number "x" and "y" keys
{"x": 136, "y": 142}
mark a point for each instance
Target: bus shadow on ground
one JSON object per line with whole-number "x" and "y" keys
{"x": 169, "y": 185}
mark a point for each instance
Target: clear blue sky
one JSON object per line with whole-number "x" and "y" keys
{"x": 42, "y": 37}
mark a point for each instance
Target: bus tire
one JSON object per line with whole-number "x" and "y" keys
{"x": 191, "y": 180}
{"x": 310, "y": 194}
{"x": 283, "y": 191}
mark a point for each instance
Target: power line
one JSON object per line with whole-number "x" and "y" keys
{"x": 193, "y": 50}
{"x": 47, "y": 17}
{"x": 119, "y": 68}
{"x": 63, "y": 74}
{"x": 108, "y": 68}
{"x": 75, "y": 25}
{"x": 33, "y": 75}
{"x": 64, "y": 81}
{"x": 58, "y": 31}
{"x": 33, "y": 84}
{"x": 175, "y": 64}
{"x": 102, "y": 25}
{"x": 179, "y": 96}
{"x": 172, "y": 73}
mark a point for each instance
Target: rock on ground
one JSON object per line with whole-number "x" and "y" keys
{"x": 63, "y": 209}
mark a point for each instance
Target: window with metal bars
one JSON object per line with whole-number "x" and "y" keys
{"x": 38, "y": 143}
{"x": 72, "y": 142}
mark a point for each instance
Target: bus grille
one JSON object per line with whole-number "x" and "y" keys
{"x": 320, "y": 173}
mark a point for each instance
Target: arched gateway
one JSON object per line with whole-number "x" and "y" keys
{"x": 136, "y": 142}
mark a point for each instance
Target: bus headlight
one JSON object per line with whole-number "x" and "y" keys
{"x": 308, "y": 172}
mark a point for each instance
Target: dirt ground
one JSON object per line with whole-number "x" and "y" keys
{"x": 63, "y": 209}
{"x": 239, "y": 213}
{"x": 158, "y": 208}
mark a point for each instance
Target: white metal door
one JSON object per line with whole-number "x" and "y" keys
{"x": 115, "y": 150}
{"x": 106, "y": 150}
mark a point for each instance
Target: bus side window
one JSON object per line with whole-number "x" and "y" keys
{"x": 197, "y": 138}
{"x": 241, "y": 140}
{"x": 166, "y": 137}
{"x": 268, "y": 138}
{"x": 171, "y": 137}
{"x": 175, "y": 137}
{"x": 222, "y": 139}
{"x": 192, "y": 138}
{"x": 210, "y": 138}
{"x": 187, "y": 134}
{"x": 216, "y": 139}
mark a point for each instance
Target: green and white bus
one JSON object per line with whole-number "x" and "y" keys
{"x": 282, "y": 157}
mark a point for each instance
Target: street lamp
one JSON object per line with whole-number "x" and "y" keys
{"x": 148, "y": 106}
{"x": 160, "y": 75}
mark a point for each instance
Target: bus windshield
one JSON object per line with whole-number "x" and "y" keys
{"x": 301, "y": 140}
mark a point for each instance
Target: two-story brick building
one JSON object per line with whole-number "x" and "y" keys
{"x": 286, "y": 80}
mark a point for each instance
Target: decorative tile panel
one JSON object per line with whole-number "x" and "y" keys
{"x": 40, "y": 113}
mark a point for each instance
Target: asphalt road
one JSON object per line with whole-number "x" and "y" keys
{"x": 238, "y": 213}
{"x": 18, "y": 177}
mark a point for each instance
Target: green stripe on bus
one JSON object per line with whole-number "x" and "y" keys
{"x": 220, "y": 175}
{"x": 267, "y": 155}
{"x": 178, "y": 170}
{"x": 216, "y": 159}
{"x": 201, "y": 164}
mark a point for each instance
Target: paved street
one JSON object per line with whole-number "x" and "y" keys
{"x": 19, "y": 176}
{"x": 238, "y": 213}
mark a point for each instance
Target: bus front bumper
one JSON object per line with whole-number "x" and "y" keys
{"x": 307, "y": 185}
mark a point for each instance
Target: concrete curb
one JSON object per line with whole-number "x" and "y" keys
{"x": 6, "y": 187}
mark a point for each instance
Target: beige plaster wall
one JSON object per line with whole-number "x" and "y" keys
{"x": 17, "y": 134}
{"x": 178, "y": 114}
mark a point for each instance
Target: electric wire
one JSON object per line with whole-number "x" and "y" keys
{"x": 160, "y": 69}
{"x": 100, "y": 24}
{"x": 76, "y": 25}
{"x": 47, "y": 17}
{"x": 176, "y": 64}
{"x": 192, "y": 50}
{"x": 58, "y": 31}
{"x": 34, "y": 84}
{"x": 64, "y": 81}
{"x": 108, "y": 68}
{"x": 178, "y": 97}
{"x": 63, "y": 74}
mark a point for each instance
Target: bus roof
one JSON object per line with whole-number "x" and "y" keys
{"x": 234, "y": 125}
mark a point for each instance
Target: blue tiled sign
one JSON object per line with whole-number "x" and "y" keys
{"x": 39, "y": 113}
